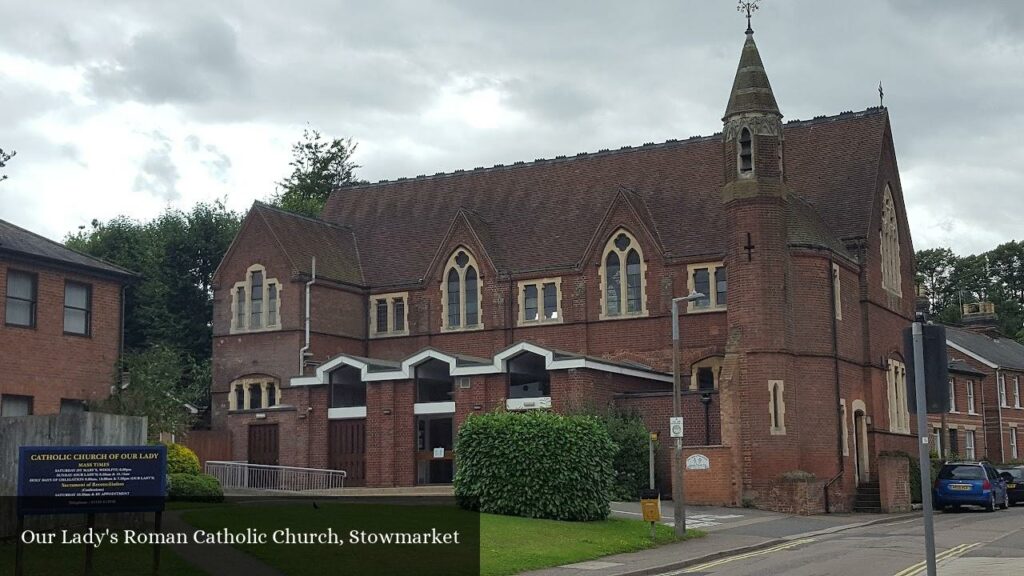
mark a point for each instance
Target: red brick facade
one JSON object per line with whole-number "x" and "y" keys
{"x": 45, "y": 363}
{"x": 792, "y": 360}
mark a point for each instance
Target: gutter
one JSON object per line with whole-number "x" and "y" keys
{"x": 305, "y": 349}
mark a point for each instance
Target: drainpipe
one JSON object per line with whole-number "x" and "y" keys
{"x": 304, "y": 349}
{"x": 835, "y": 358}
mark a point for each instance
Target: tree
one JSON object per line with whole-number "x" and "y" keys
{"x": 4, "y": 157}
{"x": 163, "y": 385}
{"x": 176, "y": 255}
{"x": 934, "y": 270}
{"x": 318, "y": 167}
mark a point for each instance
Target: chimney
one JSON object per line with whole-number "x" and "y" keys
{"x": 980, "y": 317}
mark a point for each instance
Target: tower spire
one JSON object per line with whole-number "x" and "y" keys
{"x": 751, "y": 91}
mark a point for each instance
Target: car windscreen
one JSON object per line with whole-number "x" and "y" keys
{"x": 962, "y": 473}
{"x": 1017, "y": 473}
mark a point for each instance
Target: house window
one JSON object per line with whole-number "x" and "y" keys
{"x": 1016, "y": 392}
{"x": 622, "y": 277}
{"x": 540, "y": 301}
{"x": 1013, "y": 443}
{"x": 890, "y": 246}
{"x": 22, "y": 289}
{"x": 937, "y": 440}
{"x": 14, "y": 405}
{"x": 1002, "y": 392}
{"x": 845, "y": 426}
{"x": 704, "y": 374}
{"x": 970, "y": 397}
{"x": 954, "y": 443}
{"x": 952, "y": 395}
{"x": 434, "y": 382}
{"x": 347, "y": 388}
{"x": 837, "y": 294}
{"x": 777, "y": 407}
{"x": 711, "y": 280}
{"x": 899, "y": 414}
{"x": 255, "y": 302}
{"x": 746, "y": 155}
{"x": 254, "y": 393}
{"x": 969, "y": 444}
{"x": 77, "y": 308}
{"x": 388, "y": 315}
{"x": 461, "y": 292}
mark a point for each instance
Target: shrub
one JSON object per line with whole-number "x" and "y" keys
{"x": 181, "y": 460}
{"x": 631, "y": 461}
{"x": 535, "y": 464}
{"x": 194, "y": 488}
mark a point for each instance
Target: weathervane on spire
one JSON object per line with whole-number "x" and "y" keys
{"x": 749, "y": 7}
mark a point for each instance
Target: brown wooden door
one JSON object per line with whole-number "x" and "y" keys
{"x": 263, "y": 450}
{"x": 347, "y": 449}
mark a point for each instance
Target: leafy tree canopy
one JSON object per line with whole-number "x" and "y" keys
{"x": 319, "y": 165}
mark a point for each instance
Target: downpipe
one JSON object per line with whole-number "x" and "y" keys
{"x": 305, "y": 349}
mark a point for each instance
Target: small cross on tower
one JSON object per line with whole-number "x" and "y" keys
{"x": 749, "y": 7}
{"x": 749, "y": 248}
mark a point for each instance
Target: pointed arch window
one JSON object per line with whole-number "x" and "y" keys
{"x": 461, "y": 292}
{"x": 622, "y": 290}
{"x": 746, "y": 152}
{"x": 890, "y": 245}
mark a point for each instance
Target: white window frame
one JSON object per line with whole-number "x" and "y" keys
{"x": 713, "y": 304}
{"x": 1014, "y": 453}
{"x": 540, "y": 283}
{"x": 1016, "y": 392}
{"x": 952, "y": 396}
{"x": 450, "y": 265}
{"x": 610, "y": 247}
{"x": 846, "y": 427}
{"x": 889, "y": 235}
{"x": 837, "y": 291}
{"x": 269, "y": 324}
{"x": 1002, "y": 392}
{"x": 969, "y": 448}
{"x": 970, "y": 398}
{"x": 389, "y": 299}
{"x": 937, "y": 439}
{"x": 899, "y": 414}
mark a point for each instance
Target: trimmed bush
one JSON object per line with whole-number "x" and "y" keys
{"x": 194, "y": 488}
{"x": 535, "y": 464}
{"x": 181, "y": 460}
{"x": 630, "y": 435}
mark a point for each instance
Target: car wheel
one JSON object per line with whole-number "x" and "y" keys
{"x": 991, "y": 506}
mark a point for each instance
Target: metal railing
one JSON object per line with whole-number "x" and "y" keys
{"x": 264, "y": 477}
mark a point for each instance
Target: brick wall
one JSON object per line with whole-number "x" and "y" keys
{"x": 715, "y": 486}
{"x": 894, "y": 483}
{"x": 49, "y": 365}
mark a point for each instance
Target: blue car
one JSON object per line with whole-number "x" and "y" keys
{"x": 969, "y": 484}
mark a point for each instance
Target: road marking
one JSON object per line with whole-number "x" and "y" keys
{"x": 713, "y": 563}
{"x": 953, "y": 552}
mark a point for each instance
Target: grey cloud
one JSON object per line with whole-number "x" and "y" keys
{"x": 191, "y": 64}
{"x": 158, "y": 175}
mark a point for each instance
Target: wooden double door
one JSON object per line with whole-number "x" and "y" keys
{"x": 346, "y": 441}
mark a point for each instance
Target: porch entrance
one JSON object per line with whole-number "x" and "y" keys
{"x": 435, "y": 461}
{"x": 346, "y": 445}
{"x": 263, "y": 449}
{"x": 860, "y": 447}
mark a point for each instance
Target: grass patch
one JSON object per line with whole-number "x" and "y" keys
{"x": 108, "y": 560}
{"x": 508, "y": 544}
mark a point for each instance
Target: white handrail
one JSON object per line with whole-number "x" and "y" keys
{"x": 267, "y": 477}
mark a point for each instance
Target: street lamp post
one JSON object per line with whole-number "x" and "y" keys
{"x": 677, "y": 457}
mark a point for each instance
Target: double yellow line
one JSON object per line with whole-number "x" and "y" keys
{"x": 713, "y": 563}
{"x": 953, "y": 552}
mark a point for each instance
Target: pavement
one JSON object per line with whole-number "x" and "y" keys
{"x": 745, "y": 542}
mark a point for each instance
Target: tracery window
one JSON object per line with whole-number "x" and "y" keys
{"x": 461, "y": 292}
{"x": 622, "y": 277}
{"x": 254, "y": 302}
{"x": 890, "y": 245}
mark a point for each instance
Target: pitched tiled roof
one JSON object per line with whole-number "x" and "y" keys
{"x": 1003, "y": 352}
{"x": 542, "y": 214}
{"x": 19, "y": 242}
{"x": 961, "y": 367}
{"x": 302, "y": 238}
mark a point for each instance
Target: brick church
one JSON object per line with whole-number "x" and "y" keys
{"x": 362, "y": 339}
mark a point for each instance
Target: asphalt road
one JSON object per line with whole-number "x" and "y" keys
{"x": 969, "y": 543}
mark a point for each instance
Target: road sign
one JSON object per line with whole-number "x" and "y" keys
{"x": 675, "y": 426}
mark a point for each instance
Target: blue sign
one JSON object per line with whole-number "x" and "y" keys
{"x": 87, "y": 479}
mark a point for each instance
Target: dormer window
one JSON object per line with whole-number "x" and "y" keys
{"x": 461, "y": 292}
{"x": 254, "y": 302}
{"x": 746, "y": 152}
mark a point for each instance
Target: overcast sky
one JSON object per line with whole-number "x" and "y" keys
{"x": 125, "y": 107}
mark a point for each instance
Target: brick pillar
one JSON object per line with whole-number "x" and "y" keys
{"x": 894, "y": 483}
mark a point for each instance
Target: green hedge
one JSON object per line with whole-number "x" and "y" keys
{"x": 535, "y": 464}
{"x": 181, "y": 460}
{"x": 630, "y": 435}
{"x": 194, "y": 488}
